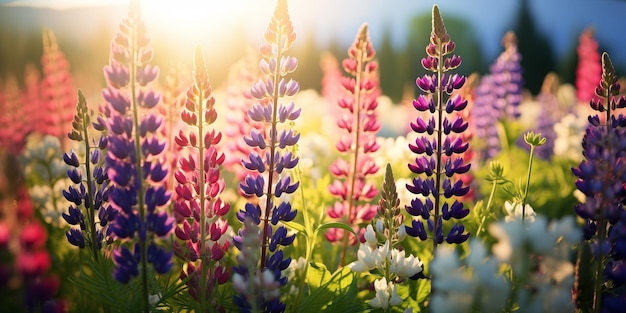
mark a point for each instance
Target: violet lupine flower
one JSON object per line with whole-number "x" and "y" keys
{"x": 498, "y": 97}
{"x": 89, "y": 194}
{"x": 589, "y": 69}
{"x": 57, "y": 89}
{"x": 201, "y": 225}
{"x": 361, "y": 125}
{"x": 439, "y": 147}
{"x": 272, "y": 183}
{"x": 134, "y": 147}
{"x": 600, "y": 177}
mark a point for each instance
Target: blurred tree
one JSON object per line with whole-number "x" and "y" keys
{"x": 537, "y": 54}
{"x": 393, "y": 67}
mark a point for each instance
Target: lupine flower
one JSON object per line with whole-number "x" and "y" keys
{"x": 548, "y": 116}
{"x": 173, "y": 99}
{"x": 600, "y": 177}
{"x": 440, "y": 145}
{"x": 32, "y": 101}
{"x": 200, "y": 210}
{"x": 360, "y": 123}
{"x": 332, "y": 89}
{"x": 57, "y": 89}
{"x": 238, "y": 123}
{"x": 90, "y": 211}
{"x": 589, "y": 69}
{"x": 15, "y": 129}
{"x": 388, "y": 258}
{"x": 498, "y": 96}
{"x": 271, "y": 182}
{"x": 134, "y": 152}
{"x": 569, "y": 134}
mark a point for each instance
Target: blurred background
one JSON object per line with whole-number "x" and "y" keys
{"x": 547, "y": 32}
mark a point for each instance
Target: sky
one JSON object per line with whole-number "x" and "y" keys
{"x": 560, "y": 20}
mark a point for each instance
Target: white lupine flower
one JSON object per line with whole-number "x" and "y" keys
{"x": 370, "y": 236}
{"x": 386, "y": 294}
{"x": 367, "y": 259}
{"x": 403, "y": 266}
{"x": 514, "y": 211}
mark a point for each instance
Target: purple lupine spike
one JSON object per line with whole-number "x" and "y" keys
{"x": 89, "y": 185}
{"x": 134, "y": 147}
{"x": 601, "y": 177}
{"x": 199, "y": 188}
{"x": 275, "y": 153}
{"x": 361, "y": 125}
{"x": 498, "y": 97}
{"x": 441, "y": 147}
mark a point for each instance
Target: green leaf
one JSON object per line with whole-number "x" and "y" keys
{"x": 336, "y": 225}
{"x": 297, "y": 227}
{"x": 325, "y": 288}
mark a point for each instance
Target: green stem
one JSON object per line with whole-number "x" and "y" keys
{"x": 272, "y": 145}
{"x": 486, "y": 209}
{"x": 530, "y": 166}
{"x": 138, "y": 165}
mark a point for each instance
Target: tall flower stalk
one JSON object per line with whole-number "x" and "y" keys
{"x": 89, "y": 195}
{"x": 134, "y": 157}
{"x": 361, "y": 125}
{"x": 600, "y": 177}
{"x": 199, "y": 186}
{"x": 57, "y": 88}
{"x": 272, "y": 183}
{"x": 440, "y": 146}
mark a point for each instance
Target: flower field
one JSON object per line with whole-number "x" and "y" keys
{"x": 171, "y": 194}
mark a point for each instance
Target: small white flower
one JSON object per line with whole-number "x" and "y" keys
{"x": 514, "y": 211}
{"x": 366, "y": 259}
{"x": 386, "y": 294}
{"x": 404, "y": 266}
{"x": 370, "y": 236}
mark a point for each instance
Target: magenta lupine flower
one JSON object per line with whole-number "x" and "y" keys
{"x": 332, "y": 76}
{"x": 199, "y": 208}
{"x": 589, "y": 69}
{"x": 238, "y": 124}
{"x": 601, "y": 177}
{"x": 89, "y": 194}
{"x": 360, "y": 123}
{"x": 271, "y": 185}
{"x": 438, "y": 163}
{"x": 134, "y": 155}
{"x": 57, "y": 88}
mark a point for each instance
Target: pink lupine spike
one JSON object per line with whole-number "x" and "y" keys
{"x": 361, "y": 125}
{"x": 199, "y": 187}
{"x": 57, "y": 88}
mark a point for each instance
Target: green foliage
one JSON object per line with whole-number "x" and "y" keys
{"x": 330, "y": 292}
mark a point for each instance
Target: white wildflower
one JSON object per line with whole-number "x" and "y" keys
{"x": 514, "y": 211}
{"x": 386, "y": 294}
